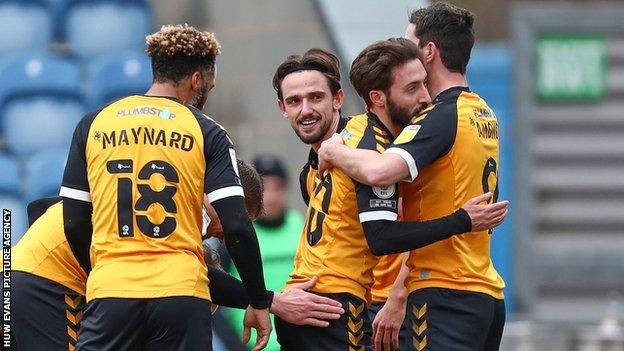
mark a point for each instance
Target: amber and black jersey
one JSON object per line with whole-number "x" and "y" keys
{"x": 147, "y": 200}
{"x": 387, "y": 268}
{"x": 333, "y": 245}
{"x": 451, "y": 150}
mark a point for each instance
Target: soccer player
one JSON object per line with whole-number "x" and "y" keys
{"x": 328, "y": 121}
{"x": 450, "y": 153}
{"x": 132, "y": 198}
{"x": 49, "y": 284}
{"x": 348, "y": 223}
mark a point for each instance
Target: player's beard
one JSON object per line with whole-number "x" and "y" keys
{"x": 202, "y": 95}
{"x": 317, "y": 135}
{"x": 402, "y": 115}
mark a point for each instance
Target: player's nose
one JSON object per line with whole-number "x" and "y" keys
{"x": 306, "y": 108}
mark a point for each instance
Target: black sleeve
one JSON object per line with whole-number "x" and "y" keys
{"x": 242, "y": 244}
{"x": 75, "y": 183}
{"x": 223, "y": 189}
{"x": 227, "y": 291}
{"x": 428, "y": 138}
{"x": 75, "y": 191}
{"x": 78, "y": 229}
{"x": 386, "y": 237}
{"x": 221, "y": 176}
{"x": 38, "y": 207}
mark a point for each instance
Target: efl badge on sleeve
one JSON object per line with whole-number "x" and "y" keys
{"x": 407, "y": 134}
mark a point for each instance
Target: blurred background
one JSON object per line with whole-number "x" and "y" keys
{"x": 552, "y": 71}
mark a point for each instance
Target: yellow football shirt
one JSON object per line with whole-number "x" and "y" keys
{"x": 451, "y": 149}
{"x": 145, "y": 163}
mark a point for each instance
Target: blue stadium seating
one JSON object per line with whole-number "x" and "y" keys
{"x": 115, "y": 76}
{"x": 44, "y": 173}
{"x": 19, "y": 217}
{"x": 40, "y": 102}
{"x": 97, "y": 27}
{"x": 9, "y": 176}
{"x": 25, "y": 25}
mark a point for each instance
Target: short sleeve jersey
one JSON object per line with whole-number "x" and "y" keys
{"x": 451, "y": 149}
{"x": 333, "y": 245}
{"x": 146, "y": 164}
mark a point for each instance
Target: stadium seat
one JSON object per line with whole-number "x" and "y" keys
{"x": 19, "y": 217}
{"x": 115, "y": 76}
{"x": 9, "y": 176}
{"x": 97, "y": 27}
{"x": 40, "y": 102}
{"x": 26, "y": 25}
{"x": 44, "y": 173}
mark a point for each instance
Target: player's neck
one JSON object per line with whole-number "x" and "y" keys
{"x": 332, "y": 129}
{"x": 166, "y": 90}
{"x": 442, "y": 79}
{"x": 385, "y": 118}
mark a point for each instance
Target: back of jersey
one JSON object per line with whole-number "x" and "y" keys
{"x": 145, "y": 170}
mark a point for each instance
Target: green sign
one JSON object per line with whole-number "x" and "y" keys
{"x": 571, "y": 68}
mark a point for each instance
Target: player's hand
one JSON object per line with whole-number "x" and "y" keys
{"x": 297, "y": 306}
{"x": 326, "y": 153}
{"x": 485, "y": 216}
{"x": 258, "y": 320}
{"x": 387, "y": 324}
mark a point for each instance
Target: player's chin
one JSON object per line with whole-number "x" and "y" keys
{"x": 310, "y": 137}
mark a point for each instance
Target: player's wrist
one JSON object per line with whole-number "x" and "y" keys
{"x": 398, "y": 294}
{"x": 261, "y": 301}
{"x": 464, "y": 219}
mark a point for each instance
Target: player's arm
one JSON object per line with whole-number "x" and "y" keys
{"x": 225, "y": 290}
{"x": 378, "y": 214}
{"x": 75, "y": 191}
{"x": 225, "y": 194}
{"x": 378, "y": 207}
{"x": 296, "y": 306}
{"x": 417, "y": 146}
{"x": 365, "y": 166}
{"x": 388, "y": 321}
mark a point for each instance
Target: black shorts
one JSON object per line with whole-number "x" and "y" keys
{"x": 346, "y": 333}
{"x": 178, "y": 323}
{"x": 372, "y": 312}
{"x": 46, "y": 315}
{"x": 453, "y": 320}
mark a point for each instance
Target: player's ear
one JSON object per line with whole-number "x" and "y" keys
{"x": 338, "y": 99}
{"x": 377, "y": 97}
{"x": 196, "y": 80}
{"x": 282, "y": 107}
{"x": 430, "y": 52}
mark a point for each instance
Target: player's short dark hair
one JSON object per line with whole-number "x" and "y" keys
{"x": 450, "y": 28}
{"x": 179, "y": 51}
{"x": 252, "y": 188}
{"x": 372, "y": 68}
{"x": 313, "y": 60}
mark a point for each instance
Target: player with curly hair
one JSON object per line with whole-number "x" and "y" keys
{"x": 133, "y": 191}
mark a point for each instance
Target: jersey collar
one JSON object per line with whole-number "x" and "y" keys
{"x": 450, "y": 93}
{"x": 379, "y": 124}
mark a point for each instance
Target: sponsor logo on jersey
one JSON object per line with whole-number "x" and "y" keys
{"x": 407, "y": 134}
{"x": 146, "y": 111}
